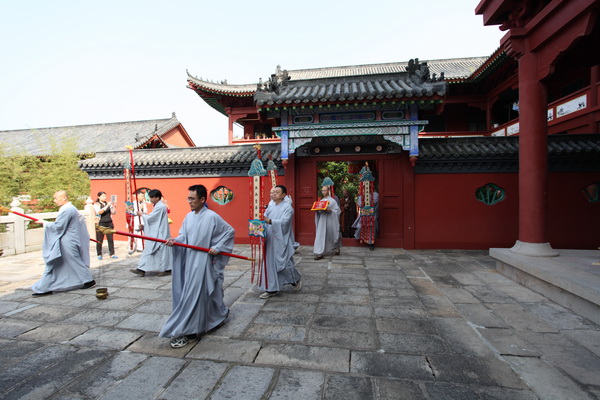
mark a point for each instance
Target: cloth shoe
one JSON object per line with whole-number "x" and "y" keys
{"x": 318, "y": 256}
{"x": 99, "y": 257}
{"x": 138, "y": 272}
{"x": 89, "y": 284}
{"x": 41, "y": 294}
{"x": 266, "y": 295}
{"x": 298, "y": 285}
{"x": 164, "y": 273}
{"x": 113, "y": 256}
{"x": 179, "y": 342}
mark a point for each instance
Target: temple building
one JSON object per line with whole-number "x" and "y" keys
{"x": 92, "y": 138}
{"x": 467, "y": 153}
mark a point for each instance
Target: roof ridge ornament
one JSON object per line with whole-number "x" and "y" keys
{"x": 420, "y": 72}
{"x": 275, "y": 82}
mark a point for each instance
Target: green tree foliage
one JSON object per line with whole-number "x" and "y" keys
{"x": 41, "y": 177}
{"x": 338, "y": 172}
{"x": 14, "y": 173}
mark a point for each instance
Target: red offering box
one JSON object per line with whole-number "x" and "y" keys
{"x": 319, "y": 205}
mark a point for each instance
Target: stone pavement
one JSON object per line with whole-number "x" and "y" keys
{"x": 387, "y": 324}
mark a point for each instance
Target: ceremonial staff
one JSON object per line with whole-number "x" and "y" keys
{"x": 106, "y": 231}
{"x": 5, "y": 209}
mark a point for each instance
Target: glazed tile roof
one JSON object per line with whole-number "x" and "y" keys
{"x": 572, "y": 152}
{"x": 362, "y": 88}
{"x": 439, "y": 155}
{"x": 188, "y": 161}
{"x": 89, "y": 138}
{"x": 456, "y": 68}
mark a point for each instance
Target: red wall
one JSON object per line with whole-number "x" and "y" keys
{"x": 573, "y": 221}
{"x": 174, "y": 190}
{"x": 446, "y": 213}
{"x": 448, "y": 216}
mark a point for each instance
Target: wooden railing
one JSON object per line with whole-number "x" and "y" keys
{"x": 569, "y": 107}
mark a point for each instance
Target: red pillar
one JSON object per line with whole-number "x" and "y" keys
{"x": 533, "y": 152}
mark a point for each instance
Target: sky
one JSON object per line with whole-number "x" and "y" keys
{"x": 65, "y": 63}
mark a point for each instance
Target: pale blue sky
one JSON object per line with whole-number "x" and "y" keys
{"x": 85, "y": 62}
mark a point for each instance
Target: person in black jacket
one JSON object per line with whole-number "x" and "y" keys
{"x": 104, "y": 212}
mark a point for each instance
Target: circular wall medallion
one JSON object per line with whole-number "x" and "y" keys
{"x": 357, "y": 149}
{"x": 379, "y": 148}
{"x": 337, "y": 149}
{"x": 317, "y": 150}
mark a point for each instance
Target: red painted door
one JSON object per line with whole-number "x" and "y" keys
{"x": 391, "y": 198}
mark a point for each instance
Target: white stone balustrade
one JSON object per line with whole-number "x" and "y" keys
{"x": 17, "y": 239}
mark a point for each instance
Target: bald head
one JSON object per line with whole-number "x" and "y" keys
{"x": 60, "y": 198}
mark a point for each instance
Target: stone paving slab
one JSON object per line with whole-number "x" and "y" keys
{"x": 434, "y": 324}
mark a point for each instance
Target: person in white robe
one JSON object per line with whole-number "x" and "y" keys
{"x": 327, "y": 222}
{"x": 156, "y": 257}
{"x": 197, "y": 284}
{"x": 66, "y": 251}
{"x": 138, "y": 221}
{"x": 280, "y": 267}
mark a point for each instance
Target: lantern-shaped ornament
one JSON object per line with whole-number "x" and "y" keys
{"x": 256, "y": 225}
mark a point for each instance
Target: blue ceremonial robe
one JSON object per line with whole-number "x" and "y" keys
{"x": 198, "y": 304}
{"x": 157, "y": 257}
{"x": 66, "y": 252}
{"x": 281, "y": 269}
{"x": 328, "y": 236}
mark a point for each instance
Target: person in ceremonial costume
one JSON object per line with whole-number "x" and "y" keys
{"x": 198, "y": 304}
{"x": 358, "y": 222}
{"x": 156, "y": 256}
{"x": 281, "y": 269}
{"x": 327, "y": 222}
{"x": 66, "y": 251}
{"x": 348, "y": 214}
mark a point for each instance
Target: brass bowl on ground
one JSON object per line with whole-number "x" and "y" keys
{"x": 101, "y": 293}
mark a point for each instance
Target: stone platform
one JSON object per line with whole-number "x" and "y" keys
{"x": 572, "y": 279}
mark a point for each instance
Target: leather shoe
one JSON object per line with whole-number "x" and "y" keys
{"x": 164, "y": 273}
{"x": 138, "y": 272}
{"x": 318, "y": 257}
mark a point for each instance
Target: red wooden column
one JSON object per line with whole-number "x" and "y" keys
{"x": 536, "y": 37}
{"x": 533, "y": 152}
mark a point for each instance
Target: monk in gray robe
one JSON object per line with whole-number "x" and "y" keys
{"x": 328, "y": 236}
{"x": 198, "y": 304}
{"x": 280, "y": 267}
{"x": 66, "y": 251}
{"x": 156, "y": 257}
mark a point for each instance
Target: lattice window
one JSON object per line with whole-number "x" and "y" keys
{"x": 592, "y": 192}
{"x": 490, "y": 194}
{"x": 222, "y": 195}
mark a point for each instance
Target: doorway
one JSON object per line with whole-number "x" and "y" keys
{"x": 388, "y": 170}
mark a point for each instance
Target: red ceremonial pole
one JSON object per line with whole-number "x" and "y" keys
{"x": 5, "y": 209}
{"x": 189, "y": 246}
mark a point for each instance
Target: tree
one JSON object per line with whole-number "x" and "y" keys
{"x": 338, "y": 172}
{"x": 42, "y": 176}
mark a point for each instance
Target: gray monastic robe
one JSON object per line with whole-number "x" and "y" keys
{"x": 156, "y": 256}
{"x": 281, "y": 269}
{"x": 66, "y": 251}
{"x": 197, "y": 276}
{"x": 328, "y": 236}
